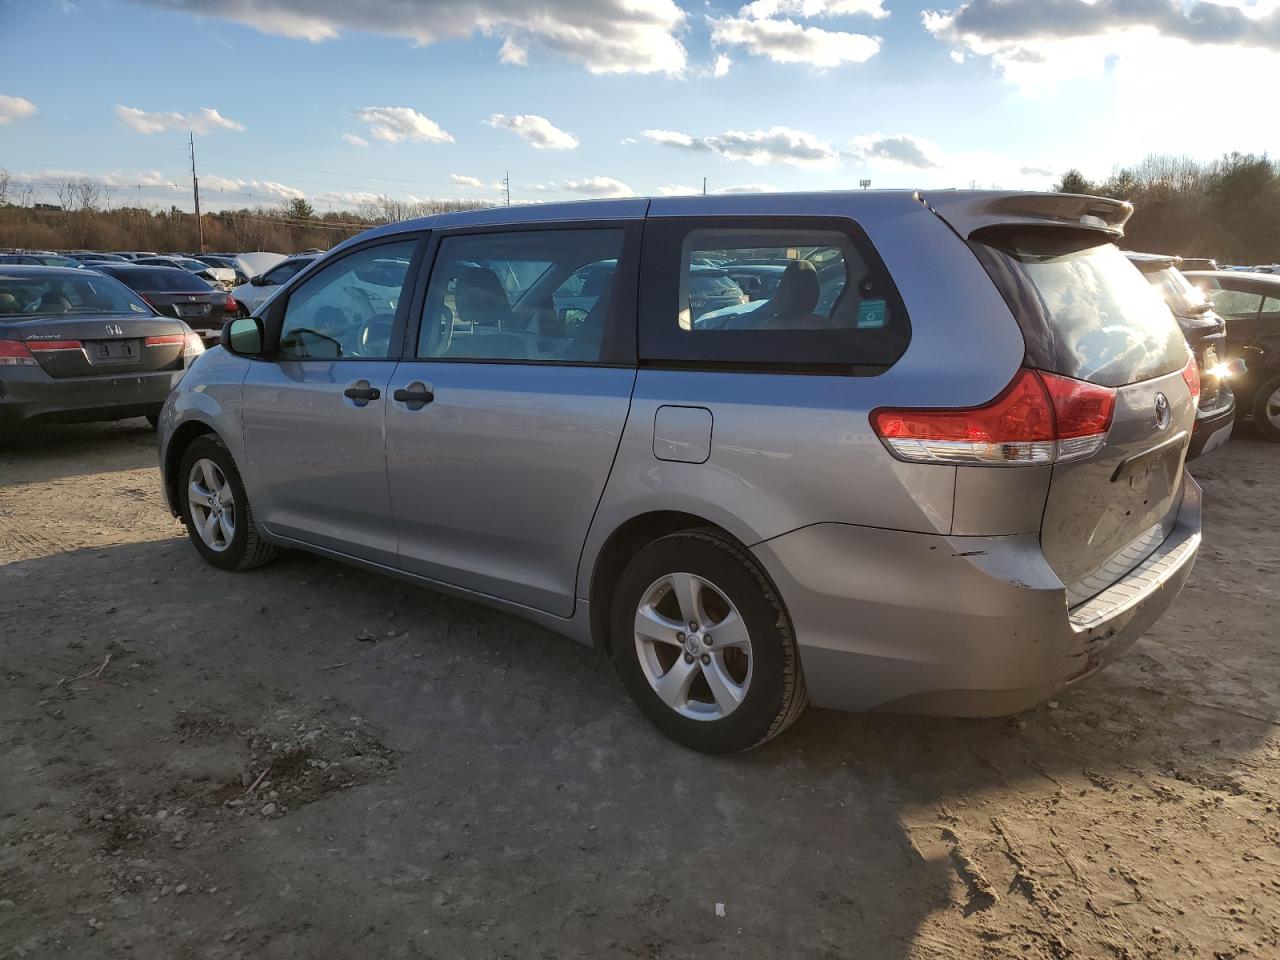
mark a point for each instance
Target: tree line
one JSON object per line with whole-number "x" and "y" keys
{"x": 85, "y": 218}
{"x": 1228, "y": 209}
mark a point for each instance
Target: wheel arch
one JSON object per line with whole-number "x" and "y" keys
{"x": 620, "y": 546}
{"x": 183, "y": 436}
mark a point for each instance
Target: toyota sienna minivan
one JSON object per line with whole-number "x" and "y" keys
{"x": 940, "y": 469}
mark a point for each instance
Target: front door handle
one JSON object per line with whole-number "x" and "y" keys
{"x": 415, "y": 396}
{"x": 361, "y": 392}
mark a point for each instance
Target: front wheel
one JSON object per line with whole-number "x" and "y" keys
{"x": 215, "y": 508}
{"x": 703, "y": 644}
{"x": 1266, "y": 409}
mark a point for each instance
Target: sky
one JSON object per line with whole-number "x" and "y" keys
{"x": 344, "y": 100}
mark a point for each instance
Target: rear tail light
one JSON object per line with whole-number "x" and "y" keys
{"x": 192, "y": 346}
{"x": 1191, "y": 374}
{"x": 1038, "y": 418}
{"x": 165, "y": 340}
{"x": 50, "y": 346}
{"x": 14, "y": 354}
{"x": 231, "y": 306}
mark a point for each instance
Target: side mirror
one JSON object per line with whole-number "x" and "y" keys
{"x": 244, "y": 336}
{"x": 258, "y": 281}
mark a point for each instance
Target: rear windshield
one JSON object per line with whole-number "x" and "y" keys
{"x": 26, "y": 297}
{"x": 163, "y": 280}
{"x": 1086, "y": 312}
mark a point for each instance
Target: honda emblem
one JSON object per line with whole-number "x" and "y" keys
{"x": 115, "y": 330}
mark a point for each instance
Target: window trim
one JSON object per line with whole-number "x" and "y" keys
{"x": 274, "y": 318}
{"x": 622, "y": 337}
{"x": 661, "y": 343}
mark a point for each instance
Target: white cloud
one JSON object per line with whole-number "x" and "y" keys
{"x": 1145, "y": 43}
{"x": 785, "y": 41}
{"x": 902, "y": 149}
{"x": 397, "y": 124}
{"x": 747, "y": 188}
{"x": 15, "y": 108}
{"x": 777, "y": 145}
{"x": 463, "y": 180}
{"x": 597, "y": 187}
{"x": 355, "y": 141}
{"x": 605, "y": 36}
{"x": 205, "y": 120}
{"x": 678, "y": 190}
{"x": 721, "y": 68}
{"x": 249, "y": 190}
{"x": 539, "y": 131}
{"x": 761, "y": 9}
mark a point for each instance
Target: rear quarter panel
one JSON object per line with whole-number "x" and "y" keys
{"x": 791, "y": 449}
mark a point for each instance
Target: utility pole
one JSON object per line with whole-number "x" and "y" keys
{"x": 195, "y": 191}
{"x": 704, "y": 186}
{"x": 506, "y": 185}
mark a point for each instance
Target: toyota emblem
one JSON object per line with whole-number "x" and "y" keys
{"x": 1162, "y": 411}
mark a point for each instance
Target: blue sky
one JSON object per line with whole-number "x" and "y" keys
{"x": 441, "y": 98}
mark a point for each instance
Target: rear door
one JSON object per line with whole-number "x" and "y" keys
{"x": 314, "y": 417}
{"x": 1087, "y": 313}
{"x": 505, "y": 415}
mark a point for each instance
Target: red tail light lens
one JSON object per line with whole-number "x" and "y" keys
{"x": 14, "y": 354}
{"x": 166, "y": 340}
{"x": 1191, "y": 374}
{"x": 230, "y": 306}
{"x": 1039, "y": 418}
{"x": 36, "y": 346}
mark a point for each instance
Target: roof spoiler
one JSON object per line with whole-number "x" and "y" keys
{"x": 968, "y": 211}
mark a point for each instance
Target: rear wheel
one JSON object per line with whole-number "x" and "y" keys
{"x": 1266, "y": 409}
{"x": 703, "y": 644}
{"x": 215, "y": 508}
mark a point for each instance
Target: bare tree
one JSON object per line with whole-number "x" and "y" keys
{"x": 87, "y": 194}
{"x": 6, "y": 184}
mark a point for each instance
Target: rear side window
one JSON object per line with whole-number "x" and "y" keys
{"x": 815, "y": 296}
{"x": 1086, "y": 311}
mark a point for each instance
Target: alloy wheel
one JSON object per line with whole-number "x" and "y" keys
{"x": 212, "y": 504}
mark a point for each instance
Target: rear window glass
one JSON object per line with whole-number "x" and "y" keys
{"x": 829, "y": 304}
{"x": 163, "y": 280}
{"x": 1085, "y": 310}
{"x": 1183, "y": 297}
{"x": 45, "y": 296}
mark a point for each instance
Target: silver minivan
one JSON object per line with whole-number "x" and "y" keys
{"x": 939, "y": 469}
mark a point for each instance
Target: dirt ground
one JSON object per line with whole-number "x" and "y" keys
{"x": 309, "y": 761}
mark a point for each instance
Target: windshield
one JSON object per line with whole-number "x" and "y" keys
{"x": 29, "y": 296}
{"x": 1183, "y": 297}
{"x": 1106, "y": 323}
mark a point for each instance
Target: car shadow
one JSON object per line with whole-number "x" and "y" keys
{"x": 50, "y": 451}
{"x": 525, "y": 808}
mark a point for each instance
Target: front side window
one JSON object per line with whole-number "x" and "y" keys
{"x": 347, "y": 310}
{"x": 1236, "y": 303}
{"x": 535, "y": 295}
{"x": 797, "y": 294}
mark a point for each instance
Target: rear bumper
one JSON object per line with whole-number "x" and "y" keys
{"x": 960, "y": 626}
{"x": 1213, "y": 427}
{"x": 29, "y": 395}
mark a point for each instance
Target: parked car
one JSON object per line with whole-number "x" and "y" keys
{"x": 91, "y": 258}
{"x": 1206, "y": 334}
{"x": 76, "y": 345}
{"x": 958, "y": 488}
{"x": 38, "y": 259}
{"x": 710, "y": 288}
{"x": 136, "y": 254}
{"x": 227, "y": 263}
{"x": 758, "y": 281}
{"x": 177, "y": 293}
{"x": 1250, "y": 302}
{"x": 216, "y": 276}
{"x": 251, "y": 295}
{"x": 1197, "y": 263}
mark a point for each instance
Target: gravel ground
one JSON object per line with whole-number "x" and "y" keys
{"x": 311, "y": 761}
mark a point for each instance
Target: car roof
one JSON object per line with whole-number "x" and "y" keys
{"x": 31, "y": 271}
{"x": 1243, "y": 276}
{"x": 1152, "y": 261}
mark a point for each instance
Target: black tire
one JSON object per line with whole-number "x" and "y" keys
{"x": 247, "y": 548}
{"x": 1260, "y": 420}
{"x": 775, "y": 695}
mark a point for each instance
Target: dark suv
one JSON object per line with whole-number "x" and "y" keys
{"x": 1206, "y": 334}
